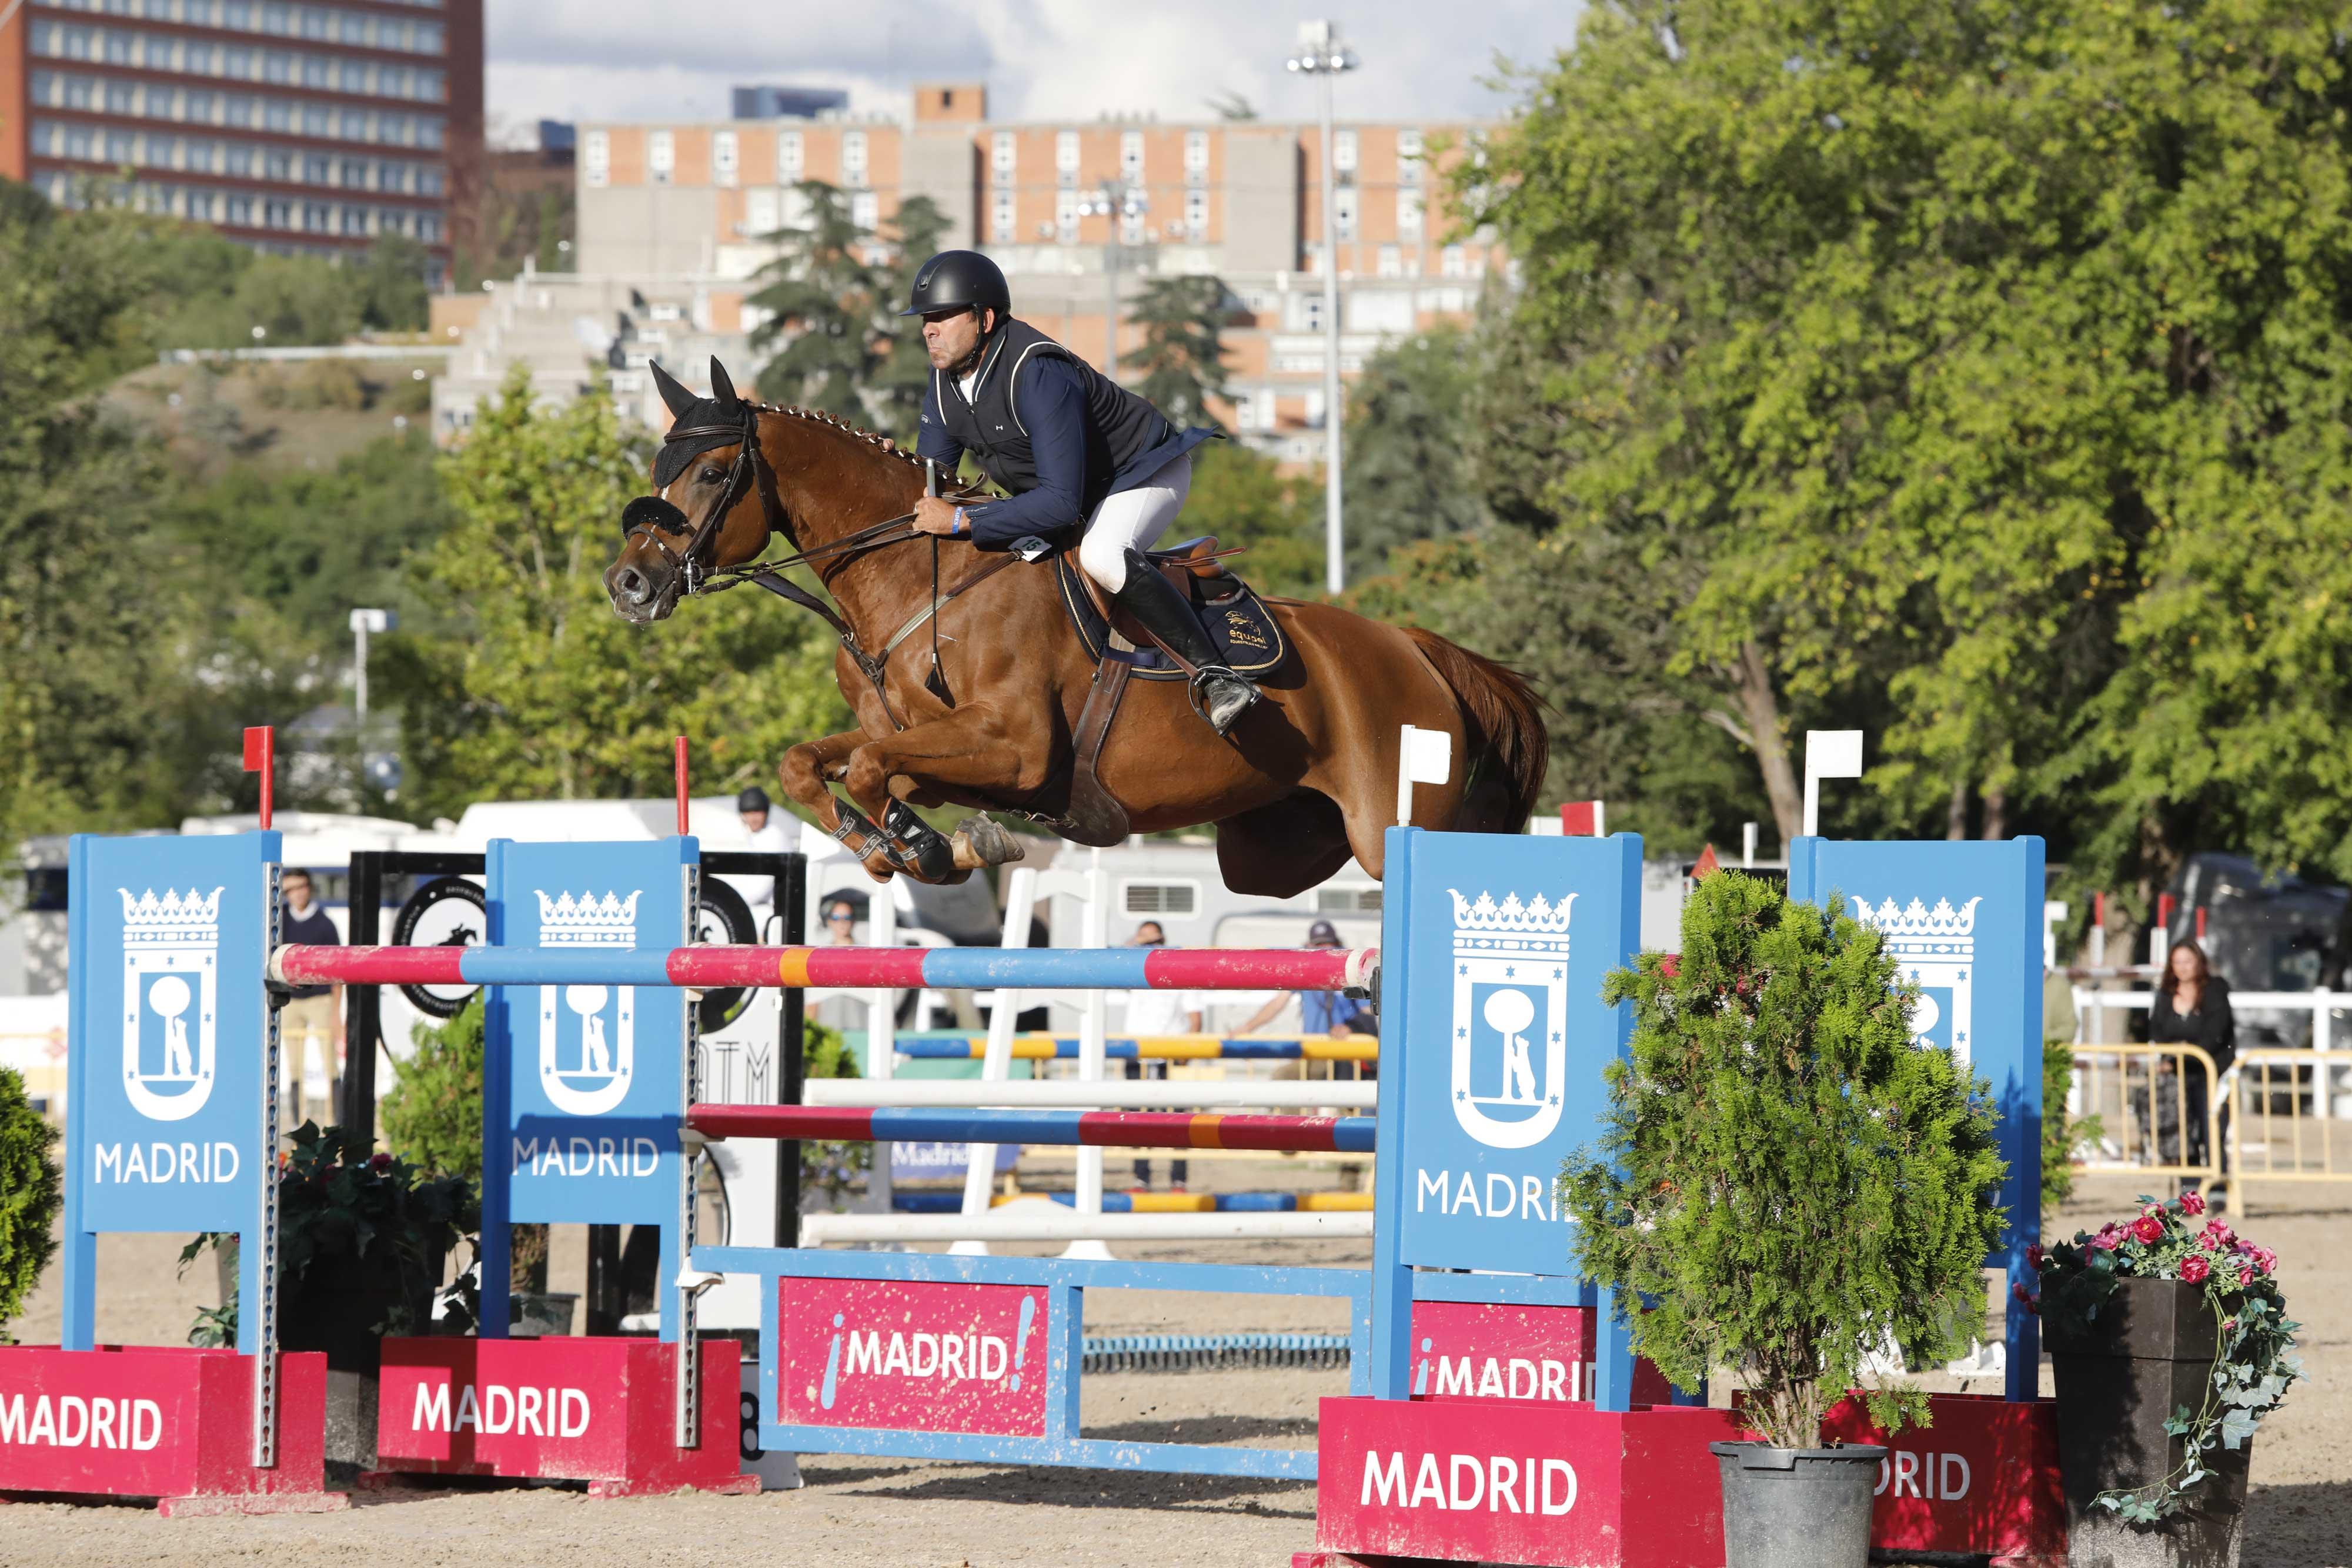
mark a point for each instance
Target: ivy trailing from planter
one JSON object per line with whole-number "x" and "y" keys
{"x": 2255, "y": 1364}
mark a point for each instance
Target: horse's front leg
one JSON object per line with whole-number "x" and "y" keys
{"x": 804, "y": 773}
{"x": 970, "y": 750}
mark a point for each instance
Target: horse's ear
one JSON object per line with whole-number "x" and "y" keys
{"x": 678, "y": 399}
{"x": 721, "y": 388}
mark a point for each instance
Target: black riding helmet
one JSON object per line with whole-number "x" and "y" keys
{"x": 959, "y": 279}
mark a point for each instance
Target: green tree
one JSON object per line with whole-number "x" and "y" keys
{"x": 103, "y": 707}
{"x": 1184, "y": 356}
{"x": 1941, "y": 368}
{"x": 432, "y": 1112}
{"x": 539, "y": 690}
{"x": 905, "y": 372}
{"x": 818, "y": 299}
{"x": 1406, "y": 470}
{"x": 1783, "y": 1181}
{"x": 308, "y": 544}
{"x": 1559, "y": 611}
{"x": 392, "y": 297}
{"x": 1248, "y": 502}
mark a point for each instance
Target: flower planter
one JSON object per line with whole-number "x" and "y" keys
{"x": 345, "y": 1309}
{"x": 2149, "y": 1352}
{"x": 1797, "y": 1508}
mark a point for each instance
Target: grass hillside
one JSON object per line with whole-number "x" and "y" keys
{"x": 276, "y": 417}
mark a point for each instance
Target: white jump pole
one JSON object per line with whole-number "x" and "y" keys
{"x": 1096, "y": 932}
{"x": 882, "y": 1003}
{"x": 973, "y": 1232}
{"x": 979, "y": 1174}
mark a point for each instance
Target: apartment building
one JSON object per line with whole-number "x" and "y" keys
{"x": 1237, "y": 199}
{"x": 294, "y": 128}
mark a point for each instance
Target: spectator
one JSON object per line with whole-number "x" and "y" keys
{"x": 2191, "y": 1006}
{"x": 1335, "y": 1014}
{"x": 314, "y": 1018}
{"x": 840, "y": 923}
{"x": 1152, "y": 1013}
{"x": 767, "y": 835}
{"x": 839, "y": 1010}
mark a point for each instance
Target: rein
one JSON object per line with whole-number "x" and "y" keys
{"x": 825, "y": 559}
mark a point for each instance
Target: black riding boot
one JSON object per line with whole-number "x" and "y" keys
{"x": 1222, "y": 695}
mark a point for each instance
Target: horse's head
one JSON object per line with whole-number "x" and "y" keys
{"x": 710, "y": 506}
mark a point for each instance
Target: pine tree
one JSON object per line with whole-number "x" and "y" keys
{"x": 1407, "y": 478}
{"x": 906, "y": 368}
{"x": 819, "y": 297}
{"x": 1784, "y": 1180}
{"x": 1183, "y": 355}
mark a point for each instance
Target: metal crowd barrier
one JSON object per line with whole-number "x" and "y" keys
{"x": 2283, "y": 1131}
{"x": 2140, "y": 1093}
{"x": 2268, "y": 1121}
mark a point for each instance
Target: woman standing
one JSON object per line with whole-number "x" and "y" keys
{"x": 2191, "y": 1006}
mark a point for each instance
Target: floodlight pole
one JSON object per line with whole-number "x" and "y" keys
{"x": 1321, "y": 55}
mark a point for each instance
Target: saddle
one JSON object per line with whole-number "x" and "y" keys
{"x": 1238, "y": 624}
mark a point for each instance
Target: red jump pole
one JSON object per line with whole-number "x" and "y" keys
{"x": 261, "y": 757}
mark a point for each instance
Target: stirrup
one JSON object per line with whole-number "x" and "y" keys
{"x": 1235, "y": 695}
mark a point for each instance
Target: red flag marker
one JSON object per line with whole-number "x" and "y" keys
{"x": 261, "y": 757}
{"x": 681, "y": 785}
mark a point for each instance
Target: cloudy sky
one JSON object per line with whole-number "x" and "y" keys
{"x": 625, "y": 60}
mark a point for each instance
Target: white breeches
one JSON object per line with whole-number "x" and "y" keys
{"x": 1133, "y": 520}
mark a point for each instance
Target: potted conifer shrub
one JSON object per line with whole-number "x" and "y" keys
{"x": 29, "y": 1196}
{"x": 1788, "y": 1186}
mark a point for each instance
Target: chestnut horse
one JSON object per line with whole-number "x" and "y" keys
{"x": 1305, "y": 779}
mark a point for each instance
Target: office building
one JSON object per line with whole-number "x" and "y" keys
{"x": 686, "y": 212}
{"x": 297, "y": 127}
{"x": 782, "y": 102}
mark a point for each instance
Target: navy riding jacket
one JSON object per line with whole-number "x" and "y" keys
{"x": 1054, "y": 455}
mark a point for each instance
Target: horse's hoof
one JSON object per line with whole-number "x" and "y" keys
{"x": 983, "y": 841}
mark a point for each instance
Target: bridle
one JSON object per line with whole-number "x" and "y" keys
{"x": 640, "y": 519}
{"x": 652, "y": 516}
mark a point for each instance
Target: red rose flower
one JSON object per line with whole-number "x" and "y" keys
{"x": 2194, "y": 1268}
{"x": 2033, "y": 1256}
{"x": 379, "y": 1162}
{"x": 2192, "y": 1203}
{"x": 2148, "y": 1228}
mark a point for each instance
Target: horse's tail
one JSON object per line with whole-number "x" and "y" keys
{"x": 1510, "y": 749}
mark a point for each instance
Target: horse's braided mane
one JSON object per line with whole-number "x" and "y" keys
{"x": 817, "y": 416}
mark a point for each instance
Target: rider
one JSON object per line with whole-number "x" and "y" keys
{"x": 1074, "y": 448}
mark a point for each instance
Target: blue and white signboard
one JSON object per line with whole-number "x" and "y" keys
{"x": 586, "y": 1083}
{"x": 1963, "y": 920}
{"x": 171, "y": 1122}
{"x": 1504, "y": 1036}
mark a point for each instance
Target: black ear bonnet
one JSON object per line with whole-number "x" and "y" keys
{"x": 717, "y": 419}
